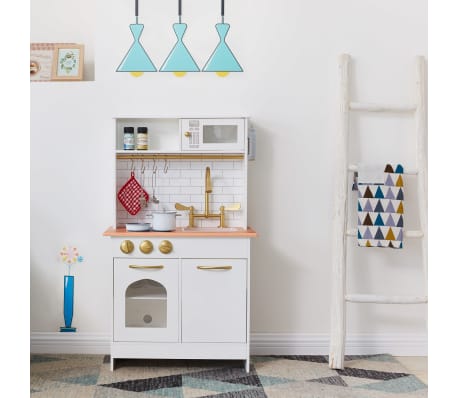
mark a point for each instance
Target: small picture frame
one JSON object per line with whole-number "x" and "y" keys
{"x": 68, "y": 62}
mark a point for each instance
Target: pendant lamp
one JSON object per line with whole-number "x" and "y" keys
{"x": 222, "y": 61}
{"x": 136, "y": 61}
{"x": 179, "y": 61}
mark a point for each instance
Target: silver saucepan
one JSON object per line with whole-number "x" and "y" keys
{"x": 164, "y": 220}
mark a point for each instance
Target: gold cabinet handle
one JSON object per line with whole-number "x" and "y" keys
{"x": 212, "y": 267}
{"x": 187, "y": 134}
{"x": 146, "y": 266}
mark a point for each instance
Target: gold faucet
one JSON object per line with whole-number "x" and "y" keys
{"x": 206, "y": 214}
{"x": 208, "y": 190}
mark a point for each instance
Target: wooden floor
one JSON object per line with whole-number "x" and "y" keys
{"x": 416, "y": 365}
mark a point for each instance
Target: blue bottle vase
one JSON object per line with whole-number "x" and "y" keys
{"x": 69, "y": 284}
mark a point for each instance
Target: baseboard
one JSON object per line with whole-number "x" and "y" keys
{"x": 261, "y": 344}
{"x": 356, "y": 344}
{"x": 70, "y": 343}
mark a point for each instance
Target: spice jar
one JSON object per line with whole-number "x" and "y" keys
{"x": 129, "y": 142}
{"x": 142, "y": 138}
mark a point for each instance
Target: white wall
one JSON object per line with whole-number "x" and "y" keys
{"x": 289, "y": 51}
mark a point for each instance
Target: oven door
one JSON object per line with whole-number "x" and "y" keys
{"x": 145, "y": 300}
{"x": 215, "y": 135}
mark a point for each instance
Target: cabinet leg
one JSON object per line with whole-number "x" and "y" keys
{"x": 247, "y": 365}
{"x": 112, "y": 360}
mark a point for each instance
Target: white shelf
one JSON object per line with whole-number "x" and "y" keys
{"x": 174, "y": 152}
{"x": 161, "y": 325}
{"x": 162, "y": 133}
{"x": 147, "y": 296}
{"x": 148, "y": 152}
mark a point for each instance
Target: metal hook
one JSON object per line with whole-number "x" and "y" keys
{"x": 132, "y": 168}
{"x": 154, "y": 166}
{"x": 143, "y": 167}
{"x": 166, "y": 166}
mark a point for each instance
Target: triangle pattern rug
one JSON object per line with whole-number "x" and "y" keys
{"x": 368, "y": 376}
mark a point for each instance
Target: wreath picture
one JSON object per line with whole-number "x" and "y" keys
{"x": 68, "y": 62}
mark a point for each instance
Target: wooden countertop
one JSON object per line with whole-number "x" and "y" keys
{"x": 184, "y": 233}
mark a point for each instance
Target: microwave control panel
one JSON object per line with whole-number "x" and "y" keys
{"x": 194, "y": 128}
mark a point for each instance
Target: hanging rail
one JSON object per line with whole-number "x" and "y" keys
{"x": 182, "y": 156}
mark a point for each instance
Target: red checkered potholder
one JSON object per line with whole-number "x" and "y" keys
{"x": 129, "y": 195}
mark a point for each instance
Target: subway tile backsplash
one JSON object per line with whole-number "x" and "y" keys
{"x": 184, "y": 181}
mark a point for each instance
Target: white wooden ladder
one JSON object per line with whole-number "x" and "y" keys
{"x": 340, "y": 228}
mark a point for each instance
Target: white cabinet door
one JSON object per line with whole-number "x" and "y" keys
{"x": 146, "y": 300}
{"x": 214, "y": 300}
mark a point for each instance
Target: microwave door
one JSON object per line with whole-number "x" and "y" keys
{"x": 220, "y": 134}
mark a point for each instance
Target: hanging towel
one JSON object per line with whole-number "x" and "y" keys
{"x": 371, "y": 174}
{"x": 381, "y": 210}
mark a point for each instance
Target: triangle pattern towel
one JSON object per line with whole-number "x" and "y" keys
{"x": 381, "y": 210}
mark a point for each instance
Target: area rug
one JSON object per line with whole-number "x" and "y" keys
{"x": 301, "y": 376}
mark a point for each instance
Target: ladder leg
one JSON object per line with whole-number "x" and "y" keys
{"x": 421, "y": 127}
{"x": 339, "y": 251}
{"x": 338, "y": 321}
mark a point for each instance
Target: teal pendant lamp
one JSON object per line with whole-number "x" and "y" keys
{"x": 136, "y": 61}
{"x": 222, "y": 61}
{"x": 179, "y": 61}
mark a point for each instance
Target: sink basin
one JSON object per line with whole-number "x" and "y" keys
{"x": 212, "y": 229}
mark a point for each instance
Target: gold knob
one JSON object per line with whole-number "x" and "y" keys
{"x": 34, "y": 67}
{"x": 165, "y": 247}
{"x": 187, "y": 134}
{"x": 146, "y": 247}
{"x": 127, "y": 246}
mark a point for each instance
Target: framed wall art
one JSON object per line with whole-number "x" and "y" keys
{"x": 68, "y": 62}
{"x": 41, "y": 58}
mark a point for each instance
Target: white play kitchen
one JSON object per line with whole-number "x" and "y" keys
{"x": 180, "y": 240}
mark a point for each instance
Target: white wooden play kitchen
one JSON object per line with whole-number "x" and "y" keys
{"x": 185, "y": 293}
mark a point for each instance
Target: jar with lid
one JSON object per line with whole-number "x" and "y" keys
{"x": 129, "y": 141}
{"x": 142, "y": 138}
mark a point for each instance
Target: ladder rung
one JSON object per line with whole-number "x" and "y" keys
{"x": 408, "y": 234}
{"x": 367, "y": 107}
{"x": 354, "y": 167}
{"x": 373, "y": 298}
